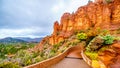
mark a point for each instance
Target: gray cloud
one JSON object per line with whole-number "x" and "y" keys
{"x": 36, "y": 16}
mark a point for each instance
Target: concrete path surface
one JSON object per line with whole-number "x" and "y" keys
{"x": 70, "y": 63}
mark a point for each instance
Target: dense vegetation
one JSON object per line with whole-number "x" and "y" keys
{"x": 20, "y": 55}
{"x": 8, "y": 51}
{"x": 97, "y": 42}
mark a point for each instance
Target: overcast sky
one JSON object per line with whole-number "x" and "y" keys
{"x": 33, "y": 18}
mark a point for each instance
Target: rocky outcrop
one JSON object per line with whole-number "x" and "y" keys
{"x": 111, "y": 56}
{"x": 103, "y": 14}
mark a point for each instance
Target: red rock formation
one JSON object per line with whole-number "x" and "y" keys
{"x": 56, "y": 28}
{"x": 111, "y": 56}
{"x": 93, "y": 15}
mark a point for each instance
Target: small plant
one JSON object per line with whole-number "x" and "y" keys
{"x": 118, "y": 31}
{"x": 108, "y": 39}
{"x": 82, "y": 36}
{"x": 9, "y": 65}
{"x": 38, "y": 59}
{"x": 52, "y": 53}
{"x": 108, "y": 1}
{"x": 92, "y": 55}
{"x": 105, "y": 32}
{"x": 117, "y": 38}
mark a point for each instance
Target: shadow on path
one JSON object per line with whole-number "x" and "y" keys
{"x": 70, "y": 63}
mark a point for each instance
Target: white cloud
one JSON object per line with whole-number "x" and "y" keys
{"x": 63, "y": 6}
{"x": 58, "y": 7}
{"x": 74, "y": 4}
{"x": 26, "y": 32}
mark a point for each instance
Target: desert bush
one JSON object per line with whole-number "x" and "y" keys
{"x": 108, "y": 39}
{"x": 9, "y": 65}
{"x": 82, "y": 36}
{"x": 37, "y": 59}
{"x": 108, "y": 1}
{"x": 92, "y": 55}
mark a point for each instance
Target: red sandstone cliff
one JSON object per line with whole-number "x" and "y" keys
{"x": 98, "y": 14}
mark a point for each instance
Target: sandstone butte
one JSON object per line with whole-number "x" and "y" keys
{"x": 97, "y": 14}
{"x": 93, "y": 15}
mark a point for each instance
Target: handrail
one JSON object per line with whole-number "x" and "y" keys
{"x": 53, "y": 60}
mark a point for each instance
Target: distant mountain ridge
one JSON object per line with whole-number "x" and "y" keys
{"x": 11, "y": 40}
{"x": 19, "y": 40}
{"x": 28, "y": 39}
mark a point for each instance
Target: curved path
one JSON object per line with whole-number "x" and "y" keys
{"x": 60, "y": 61}
{"x": 70, "y": 63}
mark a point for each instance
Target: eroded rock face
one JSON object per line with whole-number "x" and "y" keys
{"x": 98, "y": 14}
{"x": 111, "y": 56}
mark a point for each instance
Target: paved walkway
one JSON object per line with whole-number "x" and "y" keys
{"x": 70, "y": 63}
